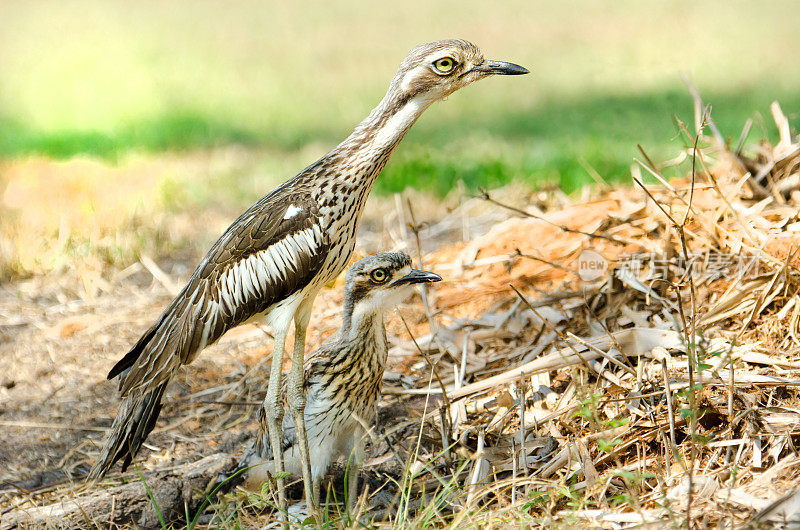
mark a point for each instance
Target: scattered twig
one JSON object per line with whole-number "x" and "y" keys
{"x": 486, "y": 197}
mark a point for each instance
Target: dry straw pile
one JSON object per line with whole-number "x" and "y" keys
{"x": 662, "y": 390}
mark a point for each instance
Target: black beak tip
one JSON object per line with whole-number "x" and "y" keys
{"x": 514, "y": 69}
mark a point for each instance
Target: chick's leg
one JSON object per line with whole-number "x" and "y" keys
{"x": 356, "y": 461}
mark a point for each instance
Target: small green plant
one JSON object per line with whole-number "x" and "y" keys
{"x": 607, "y": 446}
{"x": 151, "y": 497}
{"x": 190, "y": 525}
{"x": 538, "y": 500}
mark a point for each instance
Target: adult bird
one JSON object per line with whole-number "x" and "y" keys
{"x": 342, "y": 379}
{"x": 271, "y": 262}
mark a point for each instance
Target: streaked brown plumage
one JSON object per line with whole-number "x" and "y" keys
{"x": 273, "y": 259}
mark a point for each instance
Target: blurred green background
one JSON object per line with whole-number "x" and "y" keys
{"x": 107, "y": 79}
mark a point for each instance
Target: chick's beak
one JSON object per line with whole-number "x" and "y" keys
{"x": 418, "y": 276}
{"x": 499, "y": 67}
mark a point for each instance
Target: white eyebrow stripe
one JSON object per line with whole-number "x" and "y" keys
{"x": 439, "y": 54}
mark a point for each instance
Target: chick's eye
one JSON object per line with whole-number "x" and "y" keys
{"x": 379, "y": 275}
{"x": 444, "y": 65}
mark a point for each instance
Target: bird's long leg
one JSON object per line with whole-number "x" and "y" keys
{"x": 273, "y": 407}
{"x": 297, "y": 403}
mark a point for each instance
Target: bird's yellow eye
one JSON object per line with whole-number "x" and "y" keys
{"x": 444, "y": 65}
{"x": 379, "y": 275}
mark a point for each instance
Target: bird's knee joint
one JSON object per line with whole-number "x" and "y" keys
{"x": 297, "y": 402}
{"x": 294, "y": 391}
{"x": 273, "y": 411}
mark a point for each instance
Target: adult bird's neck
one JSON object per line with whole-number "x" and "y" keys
{"x": 389, "y": 122}
{"x": 374, "y": 139}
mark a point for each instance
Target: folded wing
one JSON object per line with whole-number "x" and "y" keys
{"x": 272, "y": 251}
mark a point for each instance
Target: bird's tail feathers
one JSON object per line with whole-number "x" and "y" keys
{"x": 136, "y": 418}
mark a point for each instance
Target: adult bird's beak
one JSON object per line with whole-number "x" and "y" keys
{"x": 418, "y": 276}
{"x": 499, "y": 67}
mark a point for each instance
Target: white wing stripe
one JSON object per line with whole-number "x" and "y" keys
{"x": 228, "y": 290}
{"x": 276, "y": 256}
{"x": 230, "y": 280}
{"x": 237, "y": 277}
{"x": 290, "y": 253}
{"x": 262, "y": 274}
{"x": 301, "y": 242}
{"x": 251, "y": 286}
{"x": 211, "y": 323}
{"x": 198, "y": 305}
{"x": 251, "y": 277}
{"x": 245, "y": 276}
{"x": 236, "y": 274}
{"x": 308, "y": 239}
{"x": 278, "y": 252}
{"x": 267, "y": 260}
{"x": 226, "y": 297}
{"x": 311, "y": 238}
{"x": 258, "y": 275}
{"x": 248, "y": 290}
{"x": 208, "y": 324}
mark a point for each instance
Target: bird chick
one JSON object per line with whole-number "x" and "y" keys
{"x": 342, "y": 379}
